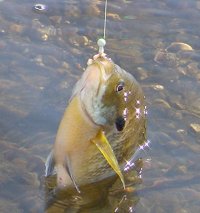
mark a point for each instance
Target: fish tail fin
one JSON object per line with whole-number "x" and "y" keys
{"x": 50, "y": 164}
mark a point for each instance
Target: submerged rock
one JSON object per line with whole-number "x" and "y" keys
{"x": 195, "y": 128}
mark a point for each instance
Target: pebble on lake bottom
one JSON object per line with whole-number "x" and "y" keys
{"x": 174, "y": 55}
{"x": 195, "y": 127}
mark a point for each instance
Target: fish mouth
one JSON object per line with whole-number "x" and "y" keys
{"x": 106, "y": 150}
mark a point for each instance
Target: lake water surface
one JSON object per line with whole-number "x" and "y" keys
{"x": 44, "y": 52}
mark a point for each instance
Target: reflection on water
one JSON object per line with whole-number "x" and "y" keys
{"x": 43, "y": 54}
{"x": 107, "y": 195}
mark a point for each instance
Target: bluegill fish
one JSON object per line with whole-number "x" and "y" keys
{"x": 103, "y": 125}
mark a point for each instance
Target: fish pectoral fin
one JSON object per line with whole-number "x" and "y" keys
{"x": 104, "y": 147}
{"x": 50, "y": 165}
{"x": 70, "y": 173}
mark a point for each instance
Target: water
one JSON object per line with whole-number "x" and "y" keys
{"x": 43, "y": 53}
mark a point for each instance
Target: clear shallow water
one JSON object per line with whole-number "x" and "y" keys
{"x": 43, "y": 54}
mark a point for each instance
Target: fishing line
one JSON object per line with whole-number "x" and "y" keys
{"x": 105, "y": 19}
{"x": 102, "y": 41}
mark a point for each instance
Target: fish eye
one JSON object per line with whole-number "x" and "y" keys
{"x": 120, "y": 86}
{"x": 120, "y": 123}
